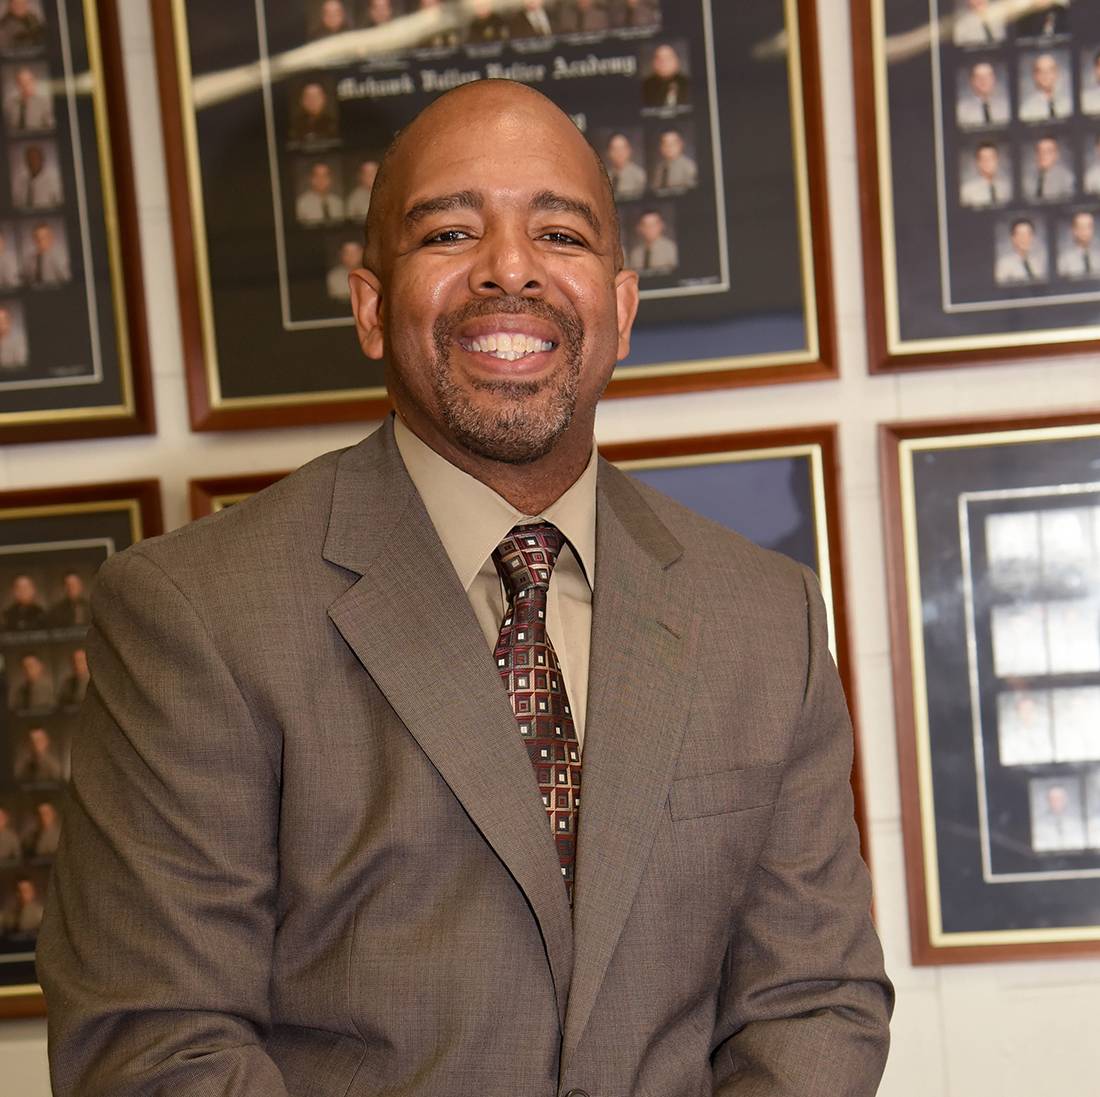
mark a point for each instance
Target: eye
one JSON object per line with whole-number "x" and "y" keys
{"x": 557, "y": 236}
{"x": 448, "y": 236}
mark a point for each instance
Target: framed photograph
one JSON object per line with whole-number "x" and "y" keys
{"x": 52, "y": 543}
{"x": 215, "y": 493}
{"x": 74, "y": 356}
{"x": 979, "y": 126}
{"x": 778, "y": 488}
{"x": 276, "y": 116}
{"x": 993, "y": 538}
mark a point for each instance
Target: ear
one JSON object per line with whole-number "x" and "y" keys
{"x": 626, "y": 299}
{"x": 366, "y": 306}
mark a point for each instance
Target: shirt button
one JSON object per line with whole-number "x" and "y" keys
{"x": 576, "y": 1093}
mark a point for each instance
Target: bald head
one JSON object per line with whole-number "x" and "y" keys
{"x": 470, "y": 108}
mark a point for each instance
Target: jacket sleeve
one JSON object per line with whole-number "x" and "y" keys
{"x": 805, "y": 1002}
{"x": 155, "y": 953}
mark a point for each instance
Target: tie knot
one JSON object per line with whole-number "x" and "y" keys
{"x": 525, "y": 559}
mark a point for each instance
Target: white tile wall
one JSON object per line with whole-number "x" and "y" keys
{"x": 961, "y": 1031}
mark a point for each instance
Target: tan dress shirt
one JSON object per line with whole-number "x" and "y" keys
{"x": 471, "y": 519}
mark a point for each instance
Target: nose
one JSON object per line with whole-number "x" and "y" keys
{"x": 508, "y": 264}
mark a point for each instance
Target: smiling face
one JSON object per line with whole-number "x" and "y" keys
{"x": 494, "y": 284}
{"x": 1045, "y": 73}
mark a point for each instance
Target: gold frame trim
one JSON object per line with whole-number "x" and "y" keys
{"x": 895, "y": 345}
{"x": 114, "y": 251}
{"x": 907, "y": 448}
{"x": 221, "y": 502}
{"x": 799, "y": 158}
{"x": 812, "y": 450}
{"x": 55, "y": 510}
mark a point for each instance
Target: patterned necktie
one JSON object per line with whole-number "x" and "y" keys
{"x": 529, "y": 669}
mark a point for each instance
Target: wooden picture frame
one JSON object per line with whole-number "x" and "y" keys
{"x": 213, "y": 493}
{"x": 990, "y": 581}
{"x": 52, "y": 541}
{"x": 969, "y": 255}
{"x": 251, "y": 267}
{"x": 73, "y": 249}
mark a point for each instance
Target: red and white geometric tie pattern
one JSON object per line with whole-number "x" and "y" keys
{"x": 529, "y": 669}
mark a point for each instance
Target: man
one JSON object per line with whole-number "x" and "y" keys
{"x": 75, "y": 685}
{"x": 9, "y": 264}
{"x": 319, "y": 204}
{"x": 584, "y": 16}
{"x": 359, "y": 200}
{"x": 25, "y": 611}
{"x": 36, "y": 184}
{"x": 1047, "y": 179}
{"x": 313, "y": 121}
{"x": 654, "y": 252}
{"x": 1024, "y": 262}
{"x": 532, "y": 21}
{"x": 46, "y": 262}
{"x": 486, "y": 25}
{"x": 46, "y": 834}
{"x": 331, "y": 18}
{"x": 27, "y": 107}
{"x": 1057, "y": 821}
{"x": 71, "y": 610}
{"x": 984, "y": 101}
{"x": 39, "y": 762}
{"x": 978, "y": 26}
{"x": 627, "y": 176}
{"x": 1090, "y": 87}
{"x": 11, "y": 848}
{"x": 13, "y": 341}
{"x": 351, "y": 258}
{"x": 21, "y": 28}
{"x": 345, "y": 864}
{"x": 22, "y": 914}
{"x": 33, "y": 690}
{"x": 990, "y": 185}
{"x": 1049, "y": 97}
{"x": 1081, "y": 259}
{"x": 1046, "y": 19}
{"x": 666, "y": 85}
{"x": 673, "y": 171}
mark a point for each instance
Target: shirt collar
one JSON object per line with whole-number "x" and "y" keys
{"x": 472, "y": 519}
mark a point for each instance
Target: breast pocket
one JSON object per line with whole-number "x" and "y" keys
{"x": 722, "y": 793}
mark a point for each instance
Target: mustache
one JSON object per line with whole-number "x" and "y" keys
{"x": 568, "y": 323}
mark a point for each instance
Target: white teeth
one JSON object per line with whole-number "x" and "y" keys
{"x": 490, "y": 342}
{"x": 504, "y": 341}
{"x": 509, "y": 347}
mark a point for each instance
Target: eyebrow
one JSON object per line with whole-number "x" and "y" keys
{"x": 552, "y": 202}
{"x": 442, "y": 203}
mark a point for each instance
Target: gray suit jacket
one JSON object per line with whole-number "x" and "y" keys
{"x": 305, "y": 852}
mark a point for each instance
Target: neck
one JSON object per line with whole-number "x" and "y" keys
{"x": 531, "y": 487}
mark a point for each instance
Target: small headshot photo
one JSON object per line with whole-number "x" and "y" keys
{"x": 21, "y": 908}
{"x": 623, "y": 157}
{"x": 24, "y": 606}
{"x": 10, "y": 275}
{"x": 1078, "y": 248}
{"x": 654, "y": 249}
{"x": 313, "y": 118}
{"x": 32, "y": 683}
{"x": 1057, "y": 814}
{"x": 674, "y": 169}
{"x": 1047, "y": 176}
{"x": 985, "y": 176}
{"x": 38, "y": 757}
{"x": 44, "y": 833}
{"x": 533, "y": 19}
{"x": 1021, "y": 252}
{"x": 11, "y": 846}
{"x": 484, "y": 24}
{"x": 364, "y": 172}
{"x": 14, "y": 351}
{"x": 35, "y": 176}
{"x": 1045, "y": 92}
{"x": 28, "y": 104}
{"x": 1090, "y": 81}
{"x": 376, "y": 13}
{"x": 631, "y": 14}
{"x": 319, "y": 201}
{"x": 982, "y": 95}
{"x": 1025, "y": 736}
{"x": 348, "y": 257}
{"x": 977, "y": 23}
{"x": 74, "y": 680}
{"x": 45, "y": 254}
{"x": 584, "y": 16}
{"x": 1090, "y": 156}
{"x": 1043, "y": 19}
{"x": 668, "y": 77}
{"x": 328, "y": 17}
{"x": 22, "y": 26}
{"x": 71, "y": 608}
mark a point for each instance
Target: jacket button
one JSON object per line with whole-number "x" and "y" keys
{"x": 576, "y": 1093}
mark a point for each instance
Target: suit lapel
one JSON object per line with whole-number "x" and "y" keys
{"x": 642, "y": 642}
{"x": 409, "y": 622}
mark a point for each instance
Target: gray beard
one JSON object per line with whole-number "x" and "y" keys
{"x": 531, "y": 415}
